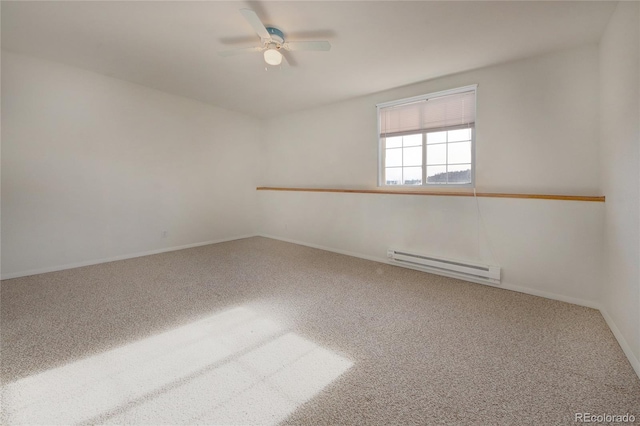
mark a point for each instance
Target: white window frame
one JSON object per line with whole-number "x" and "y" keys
{"x": 382, "y": 146}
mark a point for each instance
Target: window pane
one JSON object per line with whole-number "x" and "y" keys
{"x": 412, "y": 156}
{"x": 460, "y": 174}
{"x": 428, "y": 140}
{"x": 412, "y": 175}
{"x": 437, "y": 174}
{"x": 459, "y": 135}
{"x": 412, "y": 140}
{"x": 437, "y": 154}
{"x": 437, "y": 137}
{"x": 393, "y": 176}
{"x": 393, "y": 157}
{"x": 459, "y": 152}
{"x": 395, "y": 142}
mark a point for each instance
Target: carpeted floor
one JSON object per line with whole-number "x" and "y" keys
{"x": 262, "y": 331}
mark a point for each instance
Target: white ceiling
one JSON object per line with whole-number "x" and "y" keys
{"x": 376, "y": 45}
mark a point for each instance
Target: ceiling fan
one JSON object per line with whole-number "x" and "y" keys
{"x": 273, "y": 41}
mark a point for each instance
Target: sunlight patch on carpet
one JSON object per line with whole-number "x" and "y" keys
{"x": 233, "y": 367}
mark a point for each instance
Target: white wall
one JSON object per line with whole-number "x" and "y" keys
{"x": 620, "y": 152}
{"x": 95, "y": 168}
{"x": 537, "y": 132}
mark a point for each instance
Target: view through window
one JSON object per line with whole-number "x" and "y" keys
{"x": 448, "y": 158}
{"x": 428, "y": 140}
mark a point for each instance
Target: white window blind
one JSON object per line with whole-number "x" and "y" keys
{"x": 442, "y": 110}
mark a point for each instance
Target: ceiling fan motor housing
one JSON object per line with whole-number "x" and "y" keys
{"x": 277, "y": 36}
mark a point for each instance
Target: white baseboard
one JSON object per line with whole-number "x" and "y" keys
{"x": 527, "y": 290}
{"x": 506, "y": 286}
{"x": 113, "y": 259}
{"x": 633, "y": 360}
{"x": 552, "y": 296}
{"x": 333, "y": 250}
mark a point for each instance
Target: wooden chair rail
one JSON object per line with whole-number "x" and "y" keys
{"x": 599, "y": 199}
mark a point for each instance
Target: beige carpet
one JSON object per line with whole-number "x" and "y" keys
{"x": 262, "y": 331}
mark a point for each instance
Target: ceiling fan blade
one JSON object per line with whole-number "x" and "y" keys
{"x": 289, "y": 58}
{"x": 255, "y": 22}
{"x": 285, "y": 62}
{"x": 235, "y": 52}
{"x": 307, "y": 45}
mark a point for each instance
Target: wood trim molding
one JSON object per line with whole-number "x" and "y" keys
{"x": 599, "y": 198}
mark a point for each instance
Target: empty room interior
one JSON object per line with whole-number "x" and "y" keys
{"x": 322, "y": 213}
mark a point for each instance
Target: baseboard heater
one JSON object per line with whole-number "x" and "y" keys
{"x": 464, "y": 270}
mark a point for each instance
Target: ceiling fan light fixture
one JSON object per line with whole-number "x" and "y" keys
{"x": 272, "y": 56}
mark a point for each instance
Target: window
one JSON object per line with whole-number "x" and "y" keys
{"x": 428, "y": 140}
